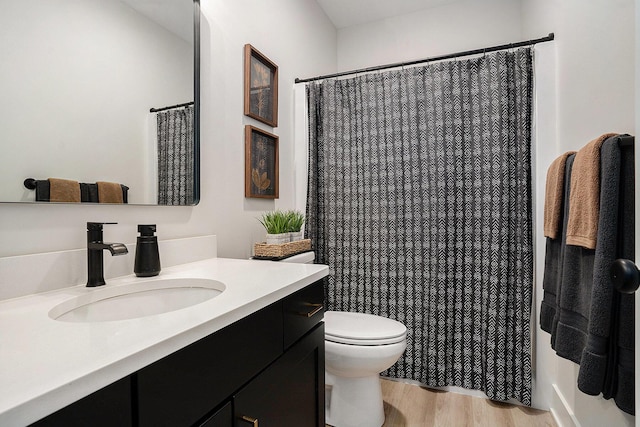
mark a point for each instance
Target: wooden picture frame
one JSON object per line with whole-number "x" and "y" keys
{"x": 261, "y": 163}
{"x": 260, "y": 87}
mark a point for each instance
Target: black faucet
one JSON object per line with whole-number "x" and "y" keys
{"x": 95, "y": 246}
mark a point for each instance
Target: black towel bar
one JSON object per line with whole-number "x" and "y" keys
{"x": 30, "y": 183}
{"x": 626, "y": 141}
{"x": 88, "y": 192}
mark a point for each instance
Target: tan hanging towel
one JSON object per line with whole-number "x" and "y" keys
{"x": 554, "y": 195}
{"x": 584, "y": 199}
{"x": 109, "y": 192}
{"x": 64, "y": 190}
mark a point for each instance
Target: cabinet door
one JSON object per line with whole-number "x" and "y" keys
{"x": 182, "y": 388}
{"x": 107, "y": 407}
{"x": 290, "y": 393}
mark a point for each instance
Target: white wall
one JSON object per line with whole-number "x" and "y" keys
{"x": 297, "y": 36}
{"x": 545, "y": 150}
{"x": 595, "y": 67}
{"x": 594, "y": 94}
{"x": 459, "y": 26}
{"x": 85, "y": 97}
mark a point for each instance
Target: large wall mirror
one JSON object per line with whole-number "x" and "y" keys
{"x": 79, "y": 79}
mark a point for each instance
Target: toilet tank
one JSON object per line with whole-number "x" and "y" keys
{"x": 303, "y": 258}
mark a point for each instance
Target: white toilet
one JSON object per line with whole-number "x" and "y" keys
{"x": 358, "y": 347}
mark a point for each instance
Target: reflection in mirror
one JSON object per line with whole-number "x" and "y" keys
{"x": 79, "y": 79}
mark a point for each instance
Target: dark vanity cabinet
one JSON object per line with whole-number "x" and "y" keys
{"x": 266, "y": 369}
{"x": 179, "y": 389}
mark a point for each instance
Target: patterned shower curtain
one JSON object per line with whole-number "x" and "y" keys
{"x": 419, "y": 200}
{"x": 175, "y": 157}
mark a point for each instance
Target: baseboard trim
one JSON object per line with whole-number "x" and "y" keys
{"x": 561, "y": 411}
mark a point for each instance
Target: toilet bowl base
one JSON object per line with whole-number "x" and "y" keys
{"x": 354, "y": 402}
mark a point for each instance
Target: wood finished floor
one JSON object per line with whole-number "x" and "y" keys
{"x": 409, "y": 405}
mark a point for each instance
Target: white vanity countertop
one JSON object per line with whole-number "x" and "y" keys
{"x": 47, "y": 364}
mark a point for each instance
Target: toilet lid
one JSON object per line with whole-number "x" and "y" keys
{"x": 362, "y": 329}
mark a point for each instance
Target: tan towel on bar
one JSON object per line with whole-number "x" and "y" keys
{"x": 553, "y": 197}
{"x": 109, "y": 192}
{"x": 64, "y": 190}
{"x": 584, "y": 200}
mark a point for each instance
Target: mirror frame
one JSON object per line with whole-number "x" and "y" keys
{"x": 196, "y": 127}
{"x": 196, "y": 102}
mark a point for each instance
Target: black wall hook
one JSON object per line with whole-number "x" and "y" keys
{"x": 30, "y": 183}
{"x": 625, "y": 276}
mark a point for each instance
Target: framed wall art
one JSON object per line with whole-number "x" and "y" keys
{"x": 261, "y": 163}
{"x": 260, "y": 87}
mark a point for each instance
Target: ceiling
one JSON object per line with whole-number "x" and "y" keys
{"x": 345, "y": 13}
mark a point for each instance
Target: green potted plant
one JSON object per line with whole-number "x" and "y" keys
{"x": 295, "y": 219}
{"x": 275, "y": 223}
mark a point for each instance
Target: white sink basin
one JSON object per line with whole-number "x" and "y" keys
{"x": 136, "y": 300}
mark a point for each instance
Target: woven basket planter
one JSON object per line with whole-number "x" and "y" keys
{"x": 263, "y": 250}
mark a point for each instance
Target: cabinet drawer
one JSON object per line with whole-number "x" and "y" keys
{"x": 180, "y": 389}
{"x": 302, "y": 311}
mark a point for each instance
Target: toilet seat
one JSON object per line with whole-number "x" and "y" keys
{"x": 362, "y": 329}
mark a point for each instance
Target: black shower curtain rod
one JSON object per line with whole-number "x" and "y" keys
{"x": 171, "y": 107}
{"x": 432, "y": 59}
